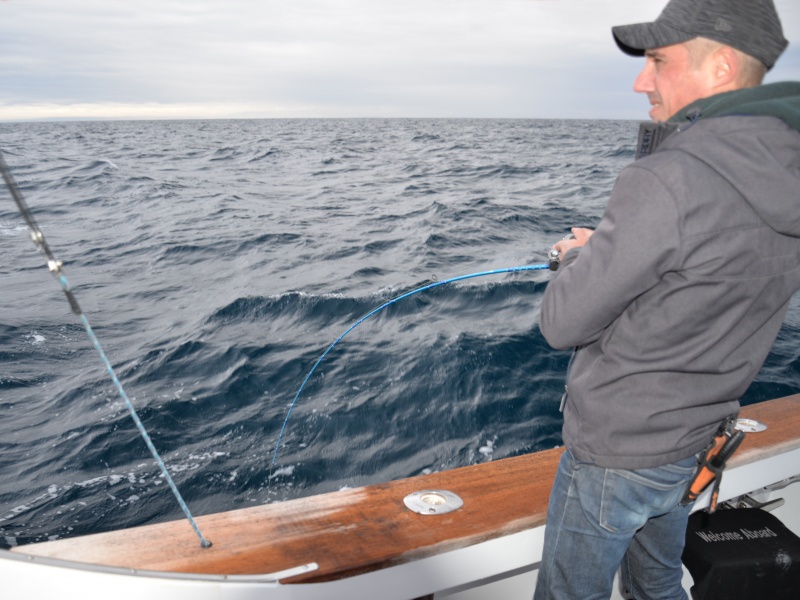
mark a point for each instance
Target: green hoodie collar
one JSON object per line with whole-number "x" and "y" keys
{"x": 781, "y": 100}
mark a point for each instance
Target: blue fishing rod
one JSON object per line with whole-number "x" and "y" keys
{"x": 56, "y": 268}
{"x": 554, "y": 259}
{"x": 553, "y": 262}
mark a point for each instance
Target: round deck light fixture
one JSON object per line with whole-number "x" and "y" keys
{"x": 433, "y": 502}
{"x": 750, "y": 425}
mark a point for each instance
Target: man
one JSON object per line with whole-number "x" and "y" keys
{"x": 674, "y": 301}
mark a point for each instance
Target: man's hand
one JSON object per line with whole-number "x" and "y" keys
{"x": 582, "y": 235}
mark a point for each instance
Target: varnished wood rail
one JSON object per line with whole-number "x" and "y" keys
{"x": 365, "y": 529}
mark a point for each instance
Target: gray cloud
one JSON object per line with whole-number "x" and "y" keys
{"x": 452, "y": 58}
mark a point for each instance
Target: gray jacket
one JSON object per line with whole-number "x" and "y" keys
{"x": 676, "y": 299}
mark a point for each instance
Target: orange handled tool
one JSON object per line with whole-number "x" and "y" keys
{"x": 710, "y": 467}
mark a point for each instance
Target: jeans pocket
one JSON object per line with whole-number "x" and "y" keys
{"x": 631, "y": 497}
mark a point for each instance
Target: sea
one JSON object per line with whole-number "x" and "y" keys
{"x": 217, "y": 261}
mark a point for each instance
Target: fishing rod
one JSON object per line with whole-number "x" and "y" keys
{"x": 552, "y": 264}
{"x": 56, "y": 268}
{"x": 554, "y": 258}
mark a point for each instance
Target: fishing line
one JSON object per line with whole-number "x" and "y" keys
{"x": 381, "y": 307}
{"x": 55, "y": 267}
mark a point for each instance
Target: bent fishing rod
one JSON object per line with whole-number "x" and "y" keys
{"x": 553, "y": 262}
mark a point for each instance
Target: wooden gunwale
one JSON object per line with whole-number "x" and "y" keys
{"x": 365, "y": 529}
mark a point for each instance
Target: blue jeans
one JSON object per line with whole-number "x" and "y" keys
{"x": 602, "y": 519}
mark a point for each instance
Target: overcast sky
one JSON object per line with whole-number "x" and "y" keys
{"x": 327, "y": 58}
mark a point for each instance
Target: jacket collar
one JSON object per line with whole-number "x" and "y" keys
{"x": 652, "y": 135}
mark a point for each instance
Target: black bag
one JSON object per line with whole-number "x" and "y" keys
{"x": 742, "y": 554}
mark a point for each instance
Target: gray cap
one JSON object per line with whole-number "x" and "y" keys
{"x": 751, "y": 26}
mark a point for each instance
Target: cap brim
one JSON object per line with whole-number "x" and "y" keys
{"x": 635, "y": 39}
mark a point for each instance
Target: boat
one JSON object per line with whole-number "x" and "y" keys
{"x": 469, "y": 533}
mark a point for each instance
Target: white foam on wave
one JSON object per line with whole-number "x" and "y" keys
{"x": 488, "y": 448}
{"x": 50, "y": 494}
{"x": 195, "y": 461}
{"x": 283, "y": 471}
{"x": 12, "y": 229}
{"x": 35, "y": 338}
{"x": 92, "y": 482}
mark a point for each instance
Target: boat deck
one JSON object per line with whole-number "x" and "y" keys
{"x": 365, "y": 529}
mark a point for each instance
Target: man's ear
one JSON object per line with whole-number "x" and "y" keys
{"x": 724, "y": 64}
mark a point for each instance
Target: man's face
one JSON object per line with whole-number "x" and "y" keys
{"x": 670, "y": 80}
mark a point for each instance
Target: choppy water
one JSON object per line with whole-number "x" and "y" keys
{"x": 216, "y": 260}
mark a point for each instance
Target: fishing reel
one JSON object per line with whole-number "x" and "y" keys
{"x": 553, "y": 259}
{"x": 554, "y": 256}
